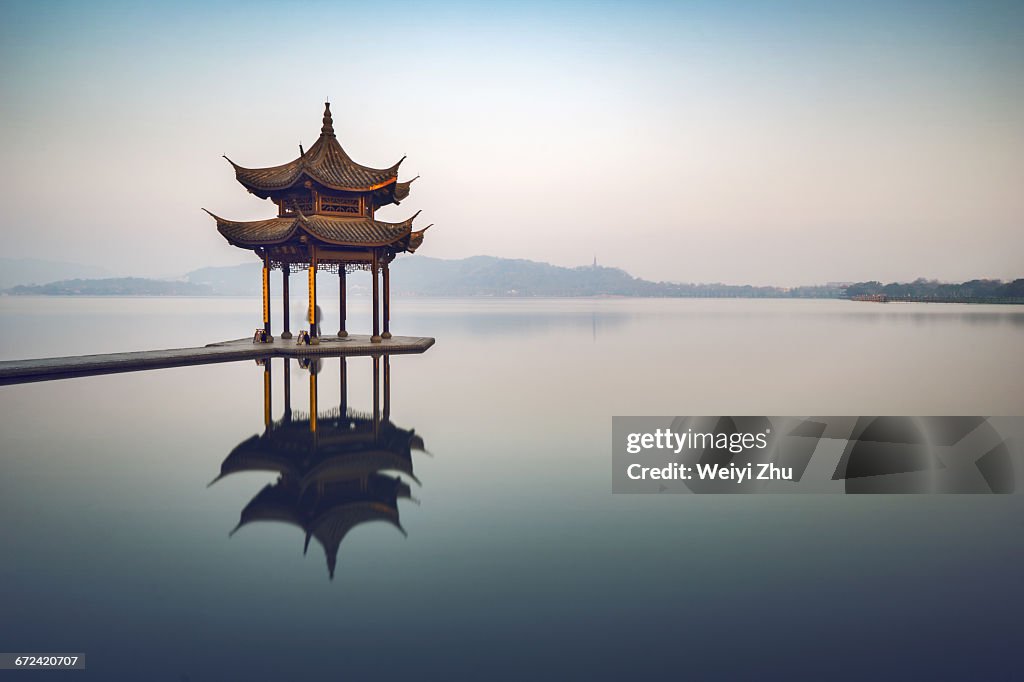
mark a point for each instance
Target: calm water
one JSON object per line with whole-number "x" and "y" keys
{"x": 517, "y": 562}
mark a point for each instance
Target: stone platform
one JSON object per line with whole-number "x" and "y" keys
{"x": 46, "y": 369}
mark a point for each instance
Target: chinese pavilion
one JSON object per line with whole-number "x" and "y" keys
{"x": 325, "y": 221}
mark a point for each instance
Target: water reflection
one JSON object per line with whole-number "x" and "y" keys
{"x": 330, "y": 463}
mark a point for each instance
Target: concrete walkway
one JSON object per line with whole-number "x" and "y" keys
{"x": 46, "y": 369}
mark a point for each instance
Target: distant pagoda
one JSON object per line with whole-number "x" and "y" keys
{"x": 325, "y": 221}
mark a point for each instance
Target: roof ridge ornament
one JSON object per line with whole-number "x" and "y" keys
{"x": 328, "y": 128}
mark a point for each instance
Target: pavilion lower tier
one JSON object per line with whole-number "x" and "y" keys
{"x": 297, "y": 259}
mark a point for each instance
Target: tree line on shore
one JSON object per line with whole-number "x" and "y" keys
{"x": 926, "y": 289}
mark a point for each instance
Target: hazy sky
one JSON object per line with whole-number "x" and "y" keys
{"x": 760, "y": 142}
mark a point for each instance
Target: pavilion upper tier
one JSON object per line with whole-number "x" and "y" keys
{"x": 327, "y": 166}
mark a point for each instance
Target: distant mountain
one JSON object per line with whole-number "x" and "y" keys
{"x": 489, "y": 276}
{"x": 423, "y": 276}
{"x": 505, "y": 277}
{"x": 15, "y": 271}
{"x": 229, "y": 280}
{"x": 115, "y": 286}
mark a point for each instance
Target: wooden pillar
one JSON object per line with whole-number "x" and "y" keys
{"x": 286, "y": 271}
{"x": 342, "y": 302}
{"x": 314, "y": 336}
{"x": 266, "y": 294}
{"x": 374, "y": 267}
{"x": 387, "y": 387}
{"x": 344, "y": 386}
{"x": 387, "y": 303}
{"x": 287, "y": 389}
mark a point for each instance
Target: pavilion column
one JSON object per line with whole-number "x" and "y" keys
{"x": 374, "y": 267}
{"x": 342, "y": 299}
{"x": 387, "y": 303}
{"x": 285, "y": 302}
{"x": 314, "y": 333}
{"x": 266, "y": 294}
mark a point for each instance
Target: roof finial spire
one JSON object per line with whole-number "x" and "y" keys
{"x": 328, "y": 128}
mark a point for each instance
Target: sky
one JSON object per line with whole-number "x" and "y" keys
{"x": 742, "y": 142}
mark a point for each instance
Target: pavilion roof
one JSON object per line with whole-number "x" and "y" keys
{"x": 361, "y": 232}
{"x": 402, "y": 190}
{"x": 326, "y": 163}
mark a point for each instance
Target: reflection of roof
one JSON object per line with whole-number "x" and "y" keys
{"x": 274, "y": 503}
{"x": 364, "y": 232}
{"x": 326, "y": 163}
{"x": 329, "y": 512}
{"x": 349, "y": 465}
{"x": 344, "y": 447}
{"x": 331, "y": 527}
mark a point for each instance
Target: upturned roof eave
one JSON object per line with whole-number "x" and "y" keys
{"x": 265, "y": 191}
{"x": 303, "y": 223}
{"x": 305, "y": 166}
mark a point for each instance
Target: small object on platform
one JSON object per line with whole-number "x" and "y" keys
{"x": 302, "y": 338}
{"x": 261, "y": 336}
{"x": 313, "y": 365}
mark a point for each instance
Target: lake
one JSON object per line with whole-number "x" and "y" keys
{"x": 510, "y": 559}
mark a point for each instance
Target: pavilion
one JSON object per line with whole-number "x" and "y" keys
{"x": 326, "y": 205}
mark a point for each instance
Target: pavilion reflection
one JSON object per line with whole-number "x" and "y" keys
{"x": 337, "y": 468}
